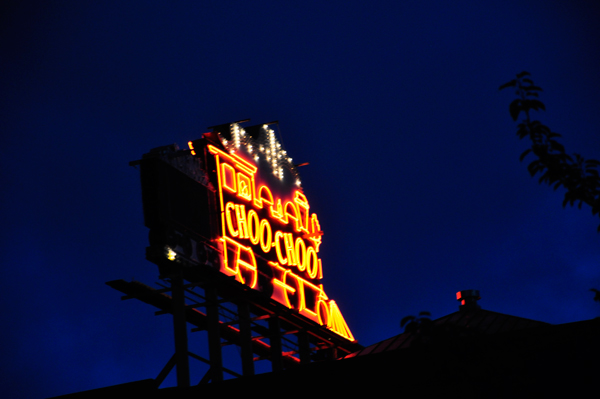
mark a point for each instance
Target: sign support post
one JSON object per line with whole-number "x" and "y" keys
{"x": 247, "y": 353}
{"x": 214, "y": 336}
{"x": 275, "y": 341}
{"x": 303, "y": 346}
{"x": 180, "y": 330}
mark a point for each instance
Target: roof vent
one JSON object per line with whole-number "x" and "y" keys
{"x": 468, "y": 300}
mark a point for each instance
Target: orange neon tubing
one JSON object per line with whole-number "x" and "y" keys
{"x": 244, "y": 184}
{"x": 280, "y": 286}
{"x": 277, "y": 211}
{"x": 191, "y": 146}
{"x": 312, "y": 271}
{"x": 295, "y": 216}
{"x": 311, "y": 314}
{"x": 222, "y": 207}
{"x": 282, "y": 289}
{"x": 264, "y": 195}
{"x": 315, "y": 232}
{"x": 225, "y": 269}
{"x": 228, "y": 179}
{"x": 238, "y": 261}
{"x": 302, "y": 204}
{"x": 244, "y": 165}
{"x": 300, "y": 248}
{"x": 337, "y": 322}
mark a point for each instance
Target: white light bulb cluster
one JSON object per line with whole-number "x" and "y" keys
{"x": 265, "y": 146}
{"x": 238, "y": 135}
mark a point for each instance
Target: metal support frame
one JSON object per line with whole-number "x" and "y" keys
{"x": 261, "y": 328}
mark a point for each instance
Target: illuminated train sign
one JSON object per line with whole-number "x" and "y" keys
{"x": 262, "y": 233}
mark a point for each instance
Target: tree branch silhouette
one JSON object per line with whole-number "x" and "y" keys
{"x": 578, "y": 176}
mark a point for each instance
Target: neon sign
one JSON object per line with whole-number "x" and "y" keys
{"x": 268, "y": 238}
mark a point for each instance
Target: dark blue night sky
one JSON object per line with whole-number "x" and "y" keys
{"x": 414, "y": 168}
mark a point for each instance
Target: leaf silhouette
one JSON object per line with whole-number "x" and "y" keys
{"x": 512, "y": 83}
{"x": 515, "y": 109}
{"x": 579, "y": 177}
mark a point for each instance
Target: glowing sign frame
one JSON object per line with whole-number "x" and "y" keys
{"x": 267, "y": 235}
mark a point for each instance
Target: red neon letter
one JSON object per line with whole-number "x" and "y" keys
{"x": 289, "y": 248}
{"x": 301, "y": 254}
{"x": 230, "y": 228}
{"x": 265, "y": 235}
{"x": 240, "y": 214}
{"x": 312, "y": 262}
{"x": 280, "y": 258}
{"x": 253, "y": 227}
